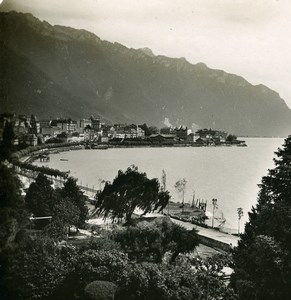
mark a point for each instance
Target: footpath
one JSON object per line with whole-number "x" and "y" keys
{"x": 211, "y": 237}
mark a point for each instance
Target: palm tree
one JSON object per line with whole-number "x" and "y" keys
{"x": 240, "y": 214}
{"x": 214, "y": 206}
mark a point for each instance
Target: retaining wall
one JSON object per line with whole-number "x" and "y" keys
{"x": 210, "y": 242}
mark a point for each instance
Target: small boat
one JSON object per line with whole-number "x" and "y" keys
{"x": 63, "y": 159}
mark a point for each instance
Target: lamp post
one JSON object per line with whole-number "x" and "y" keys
{"x": 163, "y": 187}
{"x": 240, "y": 213}
{"x": 214, "y": 206}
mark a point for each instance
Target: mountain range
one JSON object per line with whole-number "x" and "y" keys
{"x": 57, "y": 71}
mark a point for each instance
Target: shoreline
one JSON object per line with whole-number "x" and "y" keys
{"x": 58, "y": 148}
{"x": 84, "y": 186}
{"x": 208, "y": 236}
{"x": 134, "y": 144}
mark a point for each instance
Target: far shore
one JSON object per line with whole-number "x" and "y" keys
{"x": 58, "y": 148}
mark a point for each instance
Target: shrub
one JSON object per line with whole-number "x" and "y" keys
{"x": 100, "y": 290}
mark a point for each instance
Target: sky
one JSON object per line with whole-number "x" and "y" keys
{"x": 250, "y": 38}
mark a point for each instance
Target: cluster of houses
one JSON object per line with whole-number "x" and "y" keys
{"x": 29, "y": 131}
{"x": 203, "y": 137}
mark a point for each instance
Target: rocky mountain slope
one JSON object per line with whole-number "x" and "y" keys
{"x": 60, "y": 71}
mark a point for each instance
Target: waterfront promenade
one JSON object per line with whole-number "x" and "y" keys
{"x": 211, "y": 237}
{"x": 208, "y": 236}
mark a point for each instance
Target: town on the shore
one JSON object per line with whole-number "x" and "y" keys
{"x": 94, "y": 132}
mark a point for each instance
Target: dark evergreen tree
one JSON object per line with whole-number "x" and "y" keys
{"x": 148, "y": 130}
{"x": 65, "y": 214}
{"x": 72, "y": 192}
{"x": 263, "y": 256}
{"x": 66, "y": 205}
{"x": 7, "y": 144}
{"x": 33, "y": 126}
{"x": 145, "y": 128}
{"x": 13, "y": 219}
{"x": 40, "y": 196}
{"x": 184, "y": 241}
{"x": 13, "y": 215}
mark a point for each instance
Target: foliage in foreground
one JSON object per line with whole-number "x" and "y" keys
{"x": 66, "y": 206}
{"x": 148, "y": 280}
{"x": 150, "y": 241}
{"x": 98, "y": 290}
{"x": 44, "y": 269}
{"x": 263, "y": 256}
{"x": 13, "y": 216}
{"x": 39, "y": 267}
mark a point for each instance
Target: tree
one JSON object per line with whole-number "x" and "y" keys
{"x": 266, "y": 273}
{"x": 33, "y": 126}
{"x": 72, "y": 192}
{"x": 64, "y": 215}
{"x": 37, "y": 268}
{"x": 231, "y": 138}
{"x": 150, "y": 241}
{"x": 100, "y": 290}
{"x": 161, "y": 282}
{"x": 153, "y": 130}
{"x": 145, "y": 128}
{"x": 164, "y": 180}
{"x": 12, "y": 210}
{"x": 40, "y": 197}
{"x": 263, "y": 256}
{"x": 180, "y": 186}
{"x": 128, "y": 191}
{"x": 97, "y": 265}
{"x": 66, "y": 205}
{"x": 100, "y": 243}
{"x": 149, "y": 130}
{"x": 13, "y": 220}
{"x": 7, "y": 144}
{"x": 166, "y": 130}
{"x": 184, "y": 241}
{"x": 143, "y": 242}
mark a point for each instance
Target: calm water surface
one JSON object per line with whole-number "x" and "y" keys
{"x": 230, "y": 174}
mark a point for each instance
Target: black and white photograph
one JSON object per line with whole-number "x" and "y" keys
{"x": 145, "y": 149}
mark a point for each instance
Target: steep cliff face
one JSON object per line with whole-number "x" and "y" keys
{"x": 60, "y": 71}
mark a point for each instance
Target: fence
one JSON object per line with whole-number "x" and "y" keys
{"x": 89, "y": 192}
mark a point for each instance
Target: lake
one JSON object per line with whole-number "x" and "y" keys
{"x": 229, "y": 174}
